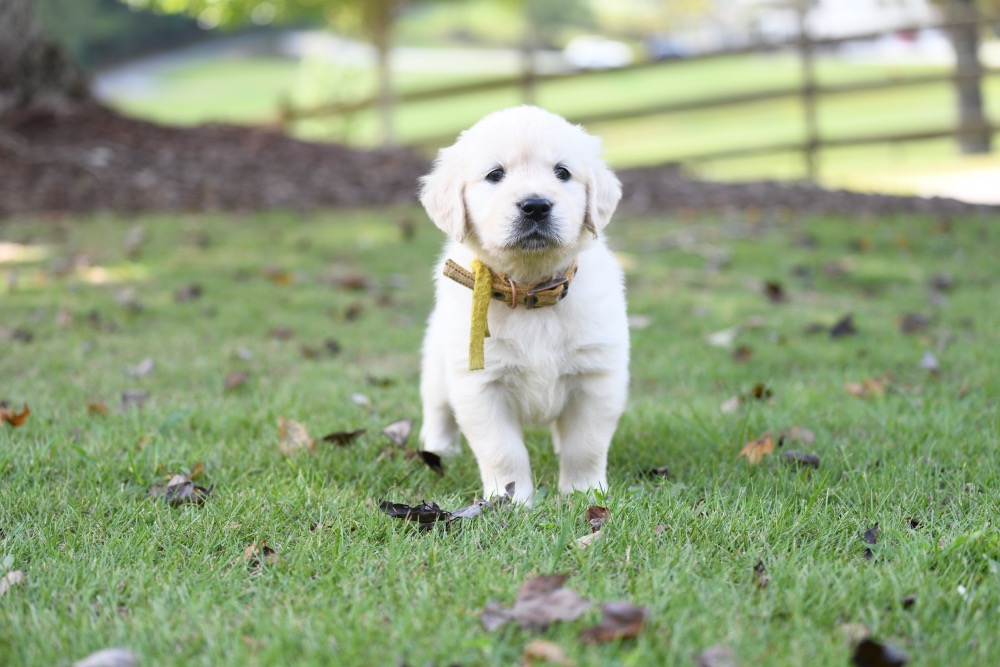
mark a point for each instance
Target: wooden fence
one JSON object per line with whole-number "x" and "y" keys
{"x": 808, "y": 91}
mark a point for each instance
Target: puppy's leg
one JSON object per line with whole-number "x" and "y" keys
{"x": 583, "y": 433}
{"x": 494, "y": 433}
{"x": 439, "y": 432}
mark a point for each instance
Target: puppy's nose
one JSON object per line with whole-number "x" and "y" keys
{"x": 535, "y": 208}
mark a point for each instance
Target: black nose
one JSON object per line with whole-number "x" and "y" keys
{"x": 535, "y": 208}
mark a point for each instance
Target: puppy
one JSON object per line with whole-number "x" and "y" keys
{"x": 529, "y": 323}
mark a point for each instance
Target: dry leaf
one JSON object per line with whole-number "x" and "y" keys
{"x": 775, "y": 291}
{"x": 756, "y": 450}
{"x": 660, "y": 471}
{"x": 343, "y": 438}
{"x": 399, "y": 431}
{"x": 723, "y": 338}
{"x": 854, "y": 632}
{"x": 868, "y": 387}
{"x": 180, "y": 490}
{"x": 546, "y": 652}
{"x": 844, "y": 327}
{"x": 293, "y": 437}
{"x": 432, "y": 460}
{"x": 871, "y": 537}
{"x": 799, "y": 434}
{"x": 142, "y": 369}
{"x": 11, "y": 579}
{"x": 760, "y": 575}
{"x": 236, "y": 380}
{"x": 12, "y": 417}
{"x": 742, "y": 354}
{"x": 913, "y": 322}
{"x": 801, "y": 458}
{"x": 717, "y": 655}
{"x": 587, "y": 540}
{"x": 134, "y": 398}
{"x": 930, "y": 363}
{"x": 540, "y": 602}
{"x": 257, "y": 558}
{"x": 870, "y": 653}
{"x": 97, "y": 409}
{"x": 596, "y": 516}
{"x": 621, "y": 621}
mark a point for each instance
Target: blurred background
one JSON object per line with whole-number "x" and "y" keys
{"x": 887, "y": 95}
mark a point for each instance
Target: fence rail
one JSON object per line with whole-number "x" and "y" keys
{"x": 808, "y": 91}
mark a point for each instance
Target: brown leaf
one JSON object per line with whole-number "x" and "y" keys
{"x": 717, "y": 655}
{"x": 109, "y": 657}
{"x": 180, "y": 490}
{"x": 12, "y": 417}
{"x": 134, "y": 398}
{"x": 399, "y": 431}
{"x": 98, "y": 408}
{"x": 596, "y": 516}
{"x": 343, "y": 438}
{"x": 775, "y": 291}
{"x": 870, "y": 653}
{"x": 432, "y": 460}
{"x": 426, "y": 514}
{"x": 913, "y": 322}
{"x": 9, "y": 580}
{"x": 541, "y": 601}
{"x": 542, "y": 651}
{"x": 189, "y": 292}
{"x": 868, "y": 387}
{"x": 756, "y": 450}
{"x": 660, "y": 471}
{"x": 293, "y": 437}
{"x": 236, "y": 380}
{"x": 871, "y": 537}
{"x": 801, "y": 458}
{"x": 257, "y": 558}
{"x": 278, "y": 276}
{"x": 742, "y": 354}
{"x": 844, "y": 327}
{"x": 621, "y": 621}
{"x": 760, "y": 575}
{"x": 800, "y": 434}
{"x": 281, "y": 333}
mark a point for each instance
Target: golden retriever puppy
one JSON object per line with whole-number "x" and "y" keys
{"x": 529, "y": 322}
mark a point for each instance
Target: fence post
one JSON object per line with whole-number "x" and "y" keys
{"x": 528, "y": 48}
{"x": 973, "y": 134}
{"x": 808, "y": 90}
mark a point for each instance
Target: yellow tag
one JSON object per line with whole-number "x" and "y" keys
{"x": 480, "y": 306}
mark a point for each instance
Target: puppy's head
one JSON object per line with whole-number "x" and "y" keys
{"x": 524, "y": 188}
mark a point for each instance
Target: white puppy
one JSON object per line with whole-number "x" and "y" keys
{"x": 523, "y": 196}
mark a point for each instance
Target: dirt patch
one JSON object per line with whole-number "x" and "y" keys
{"x": 96, "y": 160}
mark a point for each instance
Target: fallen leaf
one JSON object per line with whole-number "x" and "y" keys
{"x": 756, "y": 450}
{"x": 380, "y": 381}
{"x": 871, "y": 537}
{"x": 596, "y": 516}
{"x": 12, "y": 417}
{"x": 362, "y": 400}
{"x": 868, "y": 387}
{"x": 277, "y": 275}
{"x": 189, "y": 292}
{"x": 142, "y": 369}
{"x": 639, "y": 322}
{"x": 236, "y": 380}
{"x": 134, "y": 398}
{"x": 544, "y": 651}
{"x": 425, "y": 514}
{"x": 854, "y": 632}
{"x": 587, "y": 540}
{"x": 717, "y": 655}
{"x": 844, "y": 327}
{"x": 109, "y": 657}
{"x": 293, "y": 437}
{"x": 913, "y": 322}
{"x": 942, "y": 282}
{"x": 257, "y": 558}
{"x": 432, "y": 460}
{"x": 908, "y": 601}
{"x": 11, "y": 579}
{"x": 660, "y": 471}
{"x": 180, "y": 490}
{"x": 775, "y": 291}
{"x": 281, "y": 333}
{"x": 742, "y": 354}
{"x": 760, "y": 575}
{"x": 870, "y": 653}
{"x": 399, "y": 431}
{"x": 343, "y": 438}
{"x": 622, "y": 620}
{"x": 97, "y": 409}
{"x": 541, "y": 601}
{"x": 799, "y": 434}
{"x": 930, "y": 363}
{"x": 731, "y": 404}
{"x": 801, "y": 458}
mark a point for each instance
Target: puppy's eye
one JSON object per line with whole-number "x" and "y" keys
{"x": 496, "y": 175}
{"x": 561, "y": 172}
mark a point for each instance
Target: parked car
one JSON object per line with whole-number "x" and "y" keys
{"x": 597, "y": 52}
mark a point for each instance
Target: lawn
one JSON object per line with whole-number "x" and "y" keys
{"x": 323, "y": 315}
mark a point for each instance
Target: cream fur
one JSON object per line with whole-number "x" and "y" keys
{"x": 565, "y": 365}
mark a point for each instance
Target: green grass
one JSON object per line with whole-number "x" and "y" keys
{"x": 108, "y": 566}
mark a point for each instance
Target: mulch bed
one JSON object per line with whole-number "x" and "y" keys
{"x": 96, "y": 160}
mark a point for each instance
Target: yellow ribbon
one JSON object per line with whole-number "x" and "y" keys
{"x": 480, "y": 330}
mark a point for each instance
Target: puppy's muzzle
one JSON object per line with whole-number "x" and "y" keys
{"x": 533, "y": 226}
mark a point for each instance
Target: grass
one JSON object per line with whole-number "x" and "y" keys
{"x": 108, "y": 566}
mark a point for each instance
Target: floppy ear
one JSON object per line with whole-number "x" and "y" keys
{"x": 603, "y": 193}
{"x": 442, "y": 194}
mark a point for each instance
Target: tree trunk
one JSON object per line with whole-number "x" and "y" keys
{"x": 975, "y": 135}
{"x": 34, "y": 72}
{"x": 381, "y": 14}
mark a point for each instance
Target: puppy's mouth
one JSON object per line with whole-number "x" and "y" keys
{"x": 531, "y": 235}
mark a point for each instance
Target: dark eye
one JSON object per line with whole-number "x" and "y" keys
{"x": 496, "y": 175}
{"x": 561, "y": 172}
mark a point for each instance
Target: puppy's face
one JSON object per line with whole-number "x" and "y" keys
{"x": 524, "y": 188}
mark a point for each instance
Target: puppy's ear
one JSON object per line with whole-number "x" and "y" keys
{"x": 603, "y": 193}
{"x": 442, "y": 194}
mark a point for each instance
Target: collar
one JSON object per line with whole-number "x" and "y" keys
{"x": 513, "y": 293}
